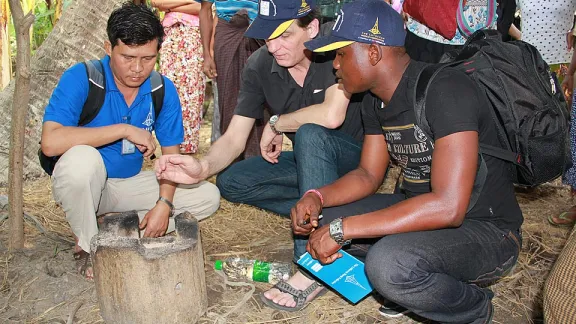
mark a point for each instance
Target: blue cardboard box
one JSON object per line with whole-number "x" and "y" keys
{"x": 345, "y": 275}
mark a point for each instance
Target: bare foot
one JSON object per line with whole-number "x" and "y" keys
{"x": 565, "y": 219}
{"x": 298, "y": 281}
{"x": 83, "y": 262}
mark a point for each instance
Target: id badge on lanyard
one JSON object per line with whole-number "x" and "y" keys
{"x": 127, "y": 146}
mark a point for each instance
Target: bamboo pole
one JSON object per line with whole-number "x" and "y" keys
{"x": 58, "y": 6}
{"x": 22, "y": 24}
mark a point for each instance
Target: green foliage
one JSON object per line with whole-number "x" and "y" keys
{"x": 42, "y": 24}
{"x": 41, "y": 28}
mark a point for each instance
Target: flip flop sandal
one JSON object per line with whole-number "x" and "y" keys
{"x": 298, "y": 295}
{"x": 570, "y": 221}
{"x": 83, "y": 263}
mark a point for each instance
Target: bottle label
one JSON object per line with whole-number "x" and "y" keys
{"x": 261, "y": 271}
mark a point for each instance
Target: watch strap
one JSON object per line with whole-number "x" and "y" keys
{"x": 273, "y": 120}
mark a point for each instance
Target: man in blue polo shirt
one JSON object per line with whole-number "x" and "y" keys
{"x": 99, "y": 170}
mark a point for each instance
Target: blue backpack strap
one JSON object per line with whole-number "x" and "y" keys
{"x": 96, "y": 91}
{"x": 157, "y": 84}
{"x": 423, "y": 81}
{"x": 92, "y": 105}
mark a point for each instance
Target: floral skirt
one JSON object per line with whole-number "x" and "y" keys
{"x": 181, "y": 61}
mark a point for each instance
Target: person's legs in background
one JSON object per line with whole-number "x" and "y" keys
{"x": 568, "y": 218}
{"x": 181, "y": 61}
{"x": 231, "y": 50}
{"x": 215, "y": 134}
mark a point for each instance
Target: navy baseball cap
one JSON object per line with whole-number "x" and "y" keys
{"x": 275, "y": 16}
{"x": 364, "y": 21}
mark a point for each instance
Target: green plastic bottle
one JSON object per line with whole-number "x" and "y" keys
{"x": 254, "y": 270}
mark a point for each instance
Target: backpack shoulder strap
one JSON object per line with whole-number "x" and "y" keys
{"x": 423, "y": 81}
{"x": 474, "y": 43}
{"x": 96, "y": 91}
{"x": 157, "y": 84}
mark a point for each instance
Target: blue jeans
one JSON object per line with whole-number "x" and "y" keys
{"x": 320, "y": 157}
{"x": 436, "y": 274}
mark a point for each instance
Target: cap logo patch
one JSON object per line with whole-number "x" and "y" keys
{"x": 265, "y": 7}
{"x": 373, "y": 35}
{"x": 375, "y": 30}
{"x": 304, "y": 8}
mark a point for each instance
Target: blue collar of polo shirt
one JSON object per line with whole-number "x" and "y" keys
{"x": 144, "y": 89}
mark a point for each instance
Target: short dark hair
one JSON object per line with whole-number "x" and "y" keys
{"x": 303, "y": 22}
{"x": 134, "y": 25}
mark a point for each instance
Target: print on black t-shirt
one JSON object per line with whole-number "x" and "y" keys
{"x": 455, "y": 105}
{"x": 411, "y": 149}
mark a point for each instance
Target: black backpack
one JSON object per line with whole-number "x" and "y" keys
{"x": 95, "y": 100}
{"x": 526, "y": 101}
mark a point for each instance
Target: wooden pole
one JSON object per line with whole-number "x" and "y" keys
{"x": 20, "y": 101}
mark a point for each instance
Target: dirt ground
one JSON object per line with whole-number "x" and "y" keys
{"x": 40, "y": 285}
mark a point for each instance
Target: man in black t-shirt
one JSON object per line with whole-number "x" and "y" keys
{"x": 301, "y": 92}
{"x": 432, "y": 246}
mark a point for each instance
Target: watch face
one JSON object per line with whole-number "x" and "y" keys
{"x": 333, "y": 229}
{"x": 336, "y": 230}
{"x": 274, "y": 119}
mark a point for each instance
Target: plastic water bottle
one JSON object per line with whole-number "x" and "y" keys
{"x": 253, "y": 270}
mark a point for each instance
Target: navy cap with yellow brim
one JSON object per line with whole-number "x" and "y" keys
{"x": 276, "y": 16}
{"x": 364, "y": 21}
{"x": 327, "y": 43}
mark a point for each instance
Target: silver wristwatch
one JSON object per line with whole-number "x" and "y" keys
{"x": 337, "y": 233}
{"x": 273, "y": 120}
